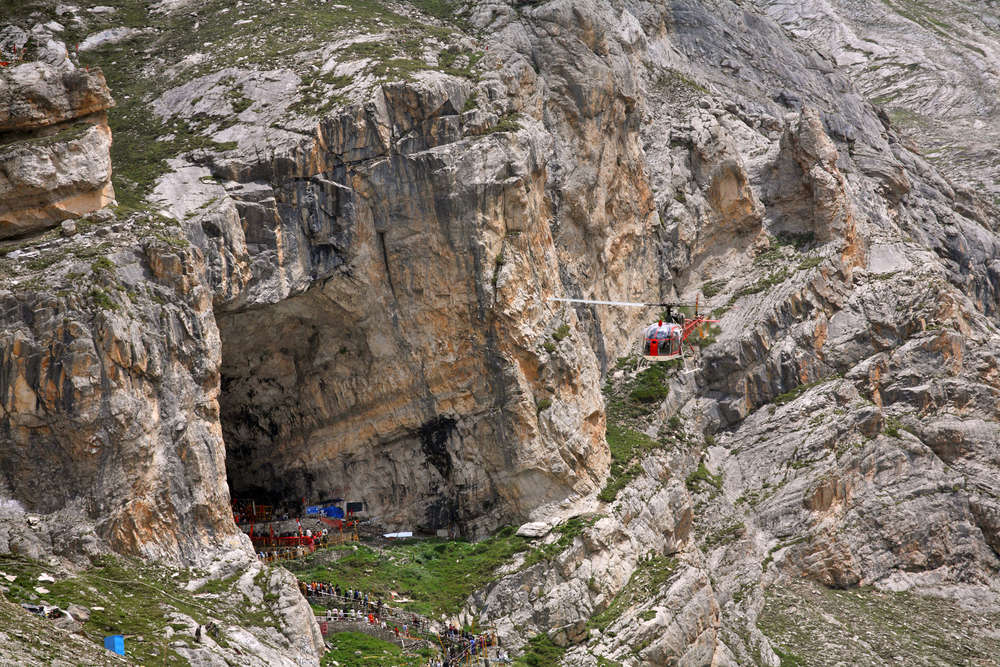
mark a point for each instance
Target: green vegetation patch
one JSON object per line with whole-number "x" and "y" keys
{"x": 672, "y": 79}
{"x": 701, "y": 476}
{"x": 356, "y": 648}
{"x": 713, "y": 287}
{"x": 638, "y": 396}
{"x": 443, "y": 10}
{"x": 102, "y": 299}
{"x": 567, "y": 531}
{"x": 645, "y": 582}
{"x": 507, "y": 123}
{"x": 813, "y": 625}
{"x": 438, "y": 575}
{"x": 770, "y": 281}
{"x": 540, "y": 651}
{"x": 627, "y": 448}
{"x": 795, "y": 392}
{"x": 810, "y": 263}
{"x": 135, "y": 599}
{"x": 725, "y": 535}
{"x": 561, "y": 333}
{"x": 459, "y": 62}
{"x": 650, "y": 386}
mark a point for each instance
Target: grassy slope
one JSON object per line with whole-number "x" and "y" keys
{"x": 138, "y": 70}
{"x": 813, "y": 625}
{"x": 437, "y": 575}
{"x": 26, "y": 639}
{"x": 137, "y": 600}
{"x": 355, "y": 648}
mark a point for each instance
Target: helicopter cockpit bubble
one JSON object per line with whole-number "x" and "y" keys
{"x": 662, "y": 339}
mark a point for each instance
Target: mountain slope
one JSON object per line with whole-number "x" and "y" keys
{"x": 338, "y": 227}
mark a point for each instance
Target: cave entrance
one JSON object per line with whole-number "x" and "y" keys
{"x": 285, "y": 370}
{"x": 309, "y": 413}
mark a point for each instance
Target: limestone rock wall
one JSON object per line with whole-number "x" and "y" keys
{"x": 402, "y": 351}
{"x": 54, "y": 145}
{"x": 117, "y": 385}
{"x": 850, "y": 385}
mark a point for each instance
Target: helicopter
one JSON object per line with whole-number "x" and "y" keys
{"x": 662, "y": 340}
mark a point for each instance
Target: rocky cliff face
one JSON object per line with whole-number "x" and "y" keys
{"x": 339, "y": 289}
{"x": 54, "y": 138}
{"x": 821, "y": 453}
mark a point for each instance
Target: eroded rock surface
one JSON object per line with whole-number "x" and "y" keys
{"x": 54, "y": 145}
{"x": 347, "y": 296}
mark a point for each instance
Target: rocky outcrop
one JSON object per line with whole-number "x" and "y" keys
{"x": 102, "y": 377}
{"x": 54, "y": 146}
{"x": 923, "y": 66}
{"x": 396, "y": 271}
{"x": 405, "y": 258}
{"x": 833, "y": 217}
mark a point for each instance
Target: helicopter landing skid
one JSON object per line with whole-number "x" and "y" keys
{"x": 662, "y": 357}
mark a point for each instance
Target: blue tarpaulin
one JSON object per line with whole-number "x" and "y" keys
{"x": 115, "y": 644}
{"x": 332, "y": 511}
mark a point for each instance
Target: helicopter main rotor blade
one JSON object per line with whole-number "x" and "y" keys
{"x": 626, "y": 304}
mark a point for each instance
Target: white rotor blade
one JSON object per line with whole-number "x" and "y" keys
{"x": 627, "y": 304}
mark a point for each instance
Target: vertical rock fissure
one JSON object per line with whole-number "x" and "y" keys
{"x": 385, "y": 262}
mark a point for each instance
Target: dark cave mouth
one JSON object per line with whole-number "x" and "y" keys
{"x": 292, "y": 438}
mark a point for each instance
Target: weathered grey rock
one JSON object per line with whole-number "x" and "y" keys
{"x": 361, "y": 311}
{"x": 920, "y": 64}
{"x": 95, "y": 336}
{"x": 109, "y": 36}
{"x": 55, "y": 160}
{"x": 67, "y": 227}
{"x": 45, "y": 179}
{"x": 534, "y": 529}
{"x": 39, "y": 95}
{"x": 80, "y": 613}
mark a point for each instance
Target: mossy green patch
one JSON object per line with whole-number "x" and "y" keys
{"x": 636, "y": 396}
{"x": 506, "y": 123}
{"x": 356, "y": 648}
{"x": 438, "y": 575}
{"x": 647, "y": 579}
{"x": 650, "y": 385}
{"x": 713, "y": 287}
{"x": 567, "y": 531}
{"x": 795, "y": 392}
{"x": 102, "y": 299}
{"x": 627, "y": 447}
{"x": 701, "y": 476}
{"x": 763, "y": 284}
{"x": 540, "y": 651}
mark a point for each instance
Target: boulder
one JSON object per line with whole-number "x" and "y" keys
{"x": 534, "y": 529}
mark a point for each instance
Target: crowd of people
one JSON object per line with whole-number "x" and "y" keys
{"x": 458, "y": 646}
{"x": 465, "y": 646}
{"x": 354, "y": 605}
